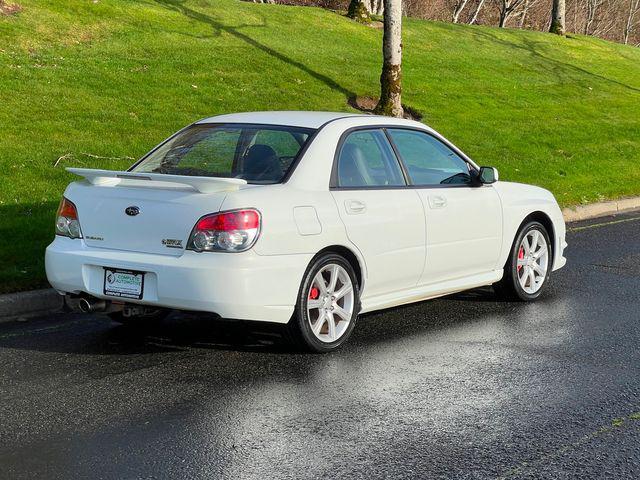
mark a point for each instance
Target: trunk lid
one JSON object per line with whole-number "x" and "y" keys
{"x": 146, "y": 216}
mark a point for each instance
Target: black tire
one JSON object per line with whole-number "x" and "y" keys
{"x": 509, "y": 287}
{"x": 298, "y": 331}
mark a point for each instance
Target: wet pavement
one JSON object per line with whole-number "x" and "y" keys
{"x": 460, "y": 387}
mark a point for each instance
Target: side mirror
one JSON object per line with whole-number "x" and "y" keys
{"x": 488, "y": 175}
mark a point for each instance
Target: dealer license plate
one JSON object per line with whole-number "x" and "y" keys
{"x": 123, "y": 283}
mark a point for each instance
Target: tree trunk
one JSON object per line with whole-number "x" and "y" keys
{"x": 377, "y": 7}
{"x": 557, "y": 17}
{"x": 627, "y": 27}
{"x": 503, "y": 17}
{"x": 523, "y": 15}
{"x": 592, "y": 11}
{"x": 458, "y": 10}
{"x": 359, "y": 10}
{"x": 634, "y": 8}
{"x": 474, "y": 18}
{"x": 391, "y": 78}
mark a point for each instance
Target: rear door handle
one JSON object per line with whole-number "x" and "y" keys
{"x": 355, "y": 206}
{"x": 437, "y": 201}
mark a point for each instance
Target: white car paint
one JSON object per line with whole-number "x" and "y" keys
{"x": 390, "y": 234}
{"x": 411, "y": 243}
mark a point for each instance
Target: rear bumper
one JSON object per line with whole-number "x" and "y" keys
{"x": 244, "y": 286}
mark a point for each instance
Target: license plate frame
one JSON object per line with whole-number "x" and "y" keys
{"x": 122, "y": 291}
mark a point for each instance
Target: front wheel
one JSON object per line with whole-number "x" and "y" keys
{"x": 328, "y": 304}
{"x": 529, "y": 265}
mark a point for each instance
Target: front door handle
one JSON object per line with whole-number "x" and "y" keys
{"x": 355, "y": 206}
{"x": 437, "y": 201}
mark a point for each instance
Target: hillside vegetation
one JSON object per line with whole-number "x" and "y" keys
{"x": 98, "y": 84}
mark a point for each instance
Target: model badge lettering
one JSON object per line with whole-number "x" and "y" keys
{"x": 172, "y": 243}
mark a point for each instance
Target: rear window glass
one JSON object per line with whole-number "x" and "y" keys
{"x": 256, "y": 153}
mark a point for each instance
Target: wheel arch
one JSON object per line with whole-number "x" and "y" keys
{"x": 350, "y": 256}
{"x": 545, "y": 220}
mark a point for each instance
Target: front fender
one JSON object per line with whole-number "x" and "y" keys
{"x": 519, "y": 201}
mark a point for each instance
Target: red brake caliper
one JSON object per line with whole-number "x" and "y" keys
{"x": 520, "y": 257}
{"x": 314, "y": 293}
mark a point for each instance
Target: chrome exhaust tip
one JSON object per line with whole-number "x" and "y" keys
{"x": 91, "y": 305}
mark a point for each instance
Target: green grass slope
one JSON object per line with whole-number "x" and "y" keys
{"x": 97, "y": 84}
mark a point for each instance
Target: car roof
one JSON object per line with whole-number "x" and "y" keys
{"x": 288, "y": 118}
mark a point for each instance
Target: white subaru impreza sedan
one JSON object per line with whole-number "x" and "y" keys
{"x": 300, "y": 218}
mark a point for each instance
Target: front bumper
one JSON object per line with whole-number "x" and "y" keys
{"x": 560, "y": 246}
{"x": 560, "y": 260}
{"x": 244, "y": 285}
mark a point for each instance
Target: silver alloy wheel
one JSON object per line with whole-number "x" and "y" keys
{"x": 330, "y": 303}
{"x": 533, "y": 261}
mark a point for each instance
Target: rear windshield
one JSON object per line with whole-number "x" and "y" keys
{"x": 256, "y": 153}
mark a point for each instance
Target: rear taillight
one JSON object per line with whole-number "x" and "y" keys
{"x": 234, "y": 231}
{"x": 67, "y": 223}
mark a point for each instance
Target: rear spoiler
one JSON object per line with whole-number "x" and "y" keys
{"x": 200, "y": 184}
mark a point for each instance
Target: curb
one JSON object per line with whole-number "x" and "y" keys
{"x": 15, "y": 306}
{"x": 600, "y": 209}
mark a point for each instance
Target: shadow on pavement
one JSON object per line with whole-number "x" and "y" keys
{"x": 98, "y": 335}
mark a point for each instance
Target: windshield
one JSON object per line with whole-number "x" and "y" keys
{"x": 256, "y": 153}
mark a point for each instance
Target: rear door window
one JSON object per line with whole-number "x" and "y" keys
{"x": 366, "y": 159}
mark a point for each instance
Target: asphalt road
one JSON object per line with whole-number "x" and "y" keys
{"x": 461, "y": 387}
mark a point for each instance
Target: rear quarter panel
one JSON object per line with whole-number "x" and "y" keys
{"x": 288, "y": 224}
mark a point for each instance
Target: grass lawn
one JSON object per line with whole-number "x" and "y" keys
{"x": 98, "y": 84}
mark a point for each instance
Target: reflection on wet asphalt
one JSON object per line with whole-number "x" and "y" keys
{"x": 460, "y": 387}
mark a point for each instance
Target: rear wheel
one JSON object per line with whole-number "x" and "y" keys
{"x": 529, "y": 265}
{"x": 328, "y": 305}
